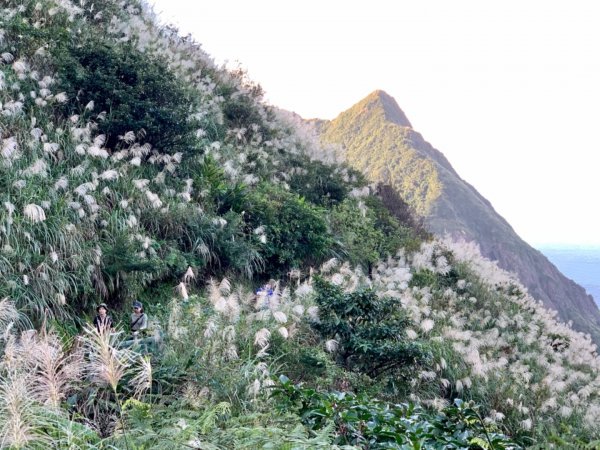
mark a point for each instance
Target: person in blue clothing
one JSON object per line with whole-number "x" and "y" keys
{"x": 263, "y": 296}
{"x": 267, "y": 289}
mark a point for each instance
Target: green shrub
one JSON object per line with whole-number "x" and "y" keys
{"x": 219, "y": 191}
{"x": 369, "y": 330}
{"x": 320, "y": 183}
{"x": 360, "y": 241}
{"x": 295, "y": 229}
{"x": 239, "y": 106}
{"x": 399, "y": 231}
{"x": 137, "y": 91}
{"x": 370, "y": 423}
{"x": 369, "y": 233}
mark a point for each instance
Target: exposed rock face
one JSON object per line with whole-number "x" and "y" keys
{"x": 376, "y": 138}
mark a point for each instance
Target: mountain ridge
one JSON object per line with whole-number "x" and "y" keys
{"x": 134, "y": 169}
{"x": 392, "y": 110}
{"x": 378, "y": 141}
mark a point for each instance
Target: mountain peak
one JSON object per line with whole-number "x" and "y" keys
{"x": 382, "y": 100}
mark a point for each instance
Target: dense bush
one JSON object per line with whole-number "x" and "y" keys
{"x": 368, "y": 232}
{"x": 361, "y": 242}
{"x": 369, "y": 330}
{"x": 217, "y": 190}
{"x": 400, "y": 230}
{"x": 137, "y": 91}
{"x": 320, "y": 183}
{"x": 296, "y": 231}
{"x": 369, "y": 423}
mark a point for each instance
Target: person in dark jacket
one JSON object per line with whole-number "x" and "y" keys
{"x": 103, "y": 321}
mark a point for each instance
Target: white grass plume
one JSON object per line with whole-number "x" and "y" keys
{"x": 182, "y": 290}
{"x": 142, "y": 381}
{"x": 34, "y": 213}
{"x": 8, "y": 315}
{"x": 107, "y": 363}
{"x": 189, "y": 275}
{"x": 56, "y": 371}
{"x": 16, "y": 411}
{"x": 261, "y": 338}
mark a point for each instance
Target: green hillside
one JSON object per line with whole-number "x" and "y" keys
{"x": 375, "y": 137}
{"x": 133, "y": 168}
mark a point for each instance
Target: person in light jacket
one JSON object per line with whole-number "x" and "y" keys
{"x": 139, "y": 319}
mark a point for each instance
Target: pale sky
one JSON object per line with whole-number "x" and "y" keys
{"x": 508, "y": 90}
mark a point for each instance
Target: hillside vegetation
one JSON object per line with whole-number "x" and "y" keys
{"x": 375, "y": 137}
{"x": 134, "y": 168}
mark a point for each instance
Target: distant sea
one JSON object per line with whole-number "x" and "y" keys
{"x": 581, "y": 264}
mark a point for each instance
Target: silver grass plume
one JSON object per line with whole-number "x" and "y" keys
{"x": 107, "y": 362}
{"x": 189, "y": 275}
{"x": 142, "y": 381}
{"x": 34, "y": 213}
{"x": 182, "y": 290}
{"x": 55, "y": 371}
{"x": 17, "y": 411}
{"x": 8, "y": 315}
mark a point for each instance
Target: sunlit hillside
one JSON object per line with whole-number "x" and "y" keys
{"x": 132, "y": 168}
{"x": 375, "y": 137}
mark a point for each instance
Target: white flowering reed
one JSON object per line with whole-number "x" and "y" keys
{"x": 109, "y": 175}
{"x": 128, "y": 138}
{"x": 313, "y": 313}
{"x": 261, "y": 338}
{"x": 17, "y": 411}
{"x": 55, "y": 371}
{"x": 141, "y": 382}
{"x": 211, "y": 328}
{"x": 34, "y": 213}
{"x": 224, "y": 287}
{"x": 280, "y": 316}
{"x": 298, "y": 310}
{"x": 107, "y": 363}
{"x": 283, "y": 331}
{"x": 182, "y": 290}
{"x": 329, "y": 265}
{"x": 427, "y": 325}
{"x": 189, "y": 275}
{"x": 9, "y": 315}
{"x": 154, "y": 199}
{"x": 10, "y": 148}
{"x": 331, "y": 345}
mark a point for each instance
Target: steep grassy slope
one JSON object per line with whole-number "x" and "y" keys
{"x": 377, "y": 139}
{"x": 127, "y": 157}
{"x": 132, "y": 167}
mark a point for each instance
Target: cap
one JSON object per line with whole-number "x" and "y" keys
{"x": 101, "y": 305}
{"x": 137, "y": 304}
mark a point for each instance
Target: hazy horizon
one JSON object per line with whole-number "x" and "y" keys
{"x": 581, "y": 264}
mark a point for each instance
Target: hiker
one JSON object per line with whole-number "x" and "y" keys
{"x": 139, "y": 319}
{"x": 263, "y": 296}
{"x": 102, "y": 321}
